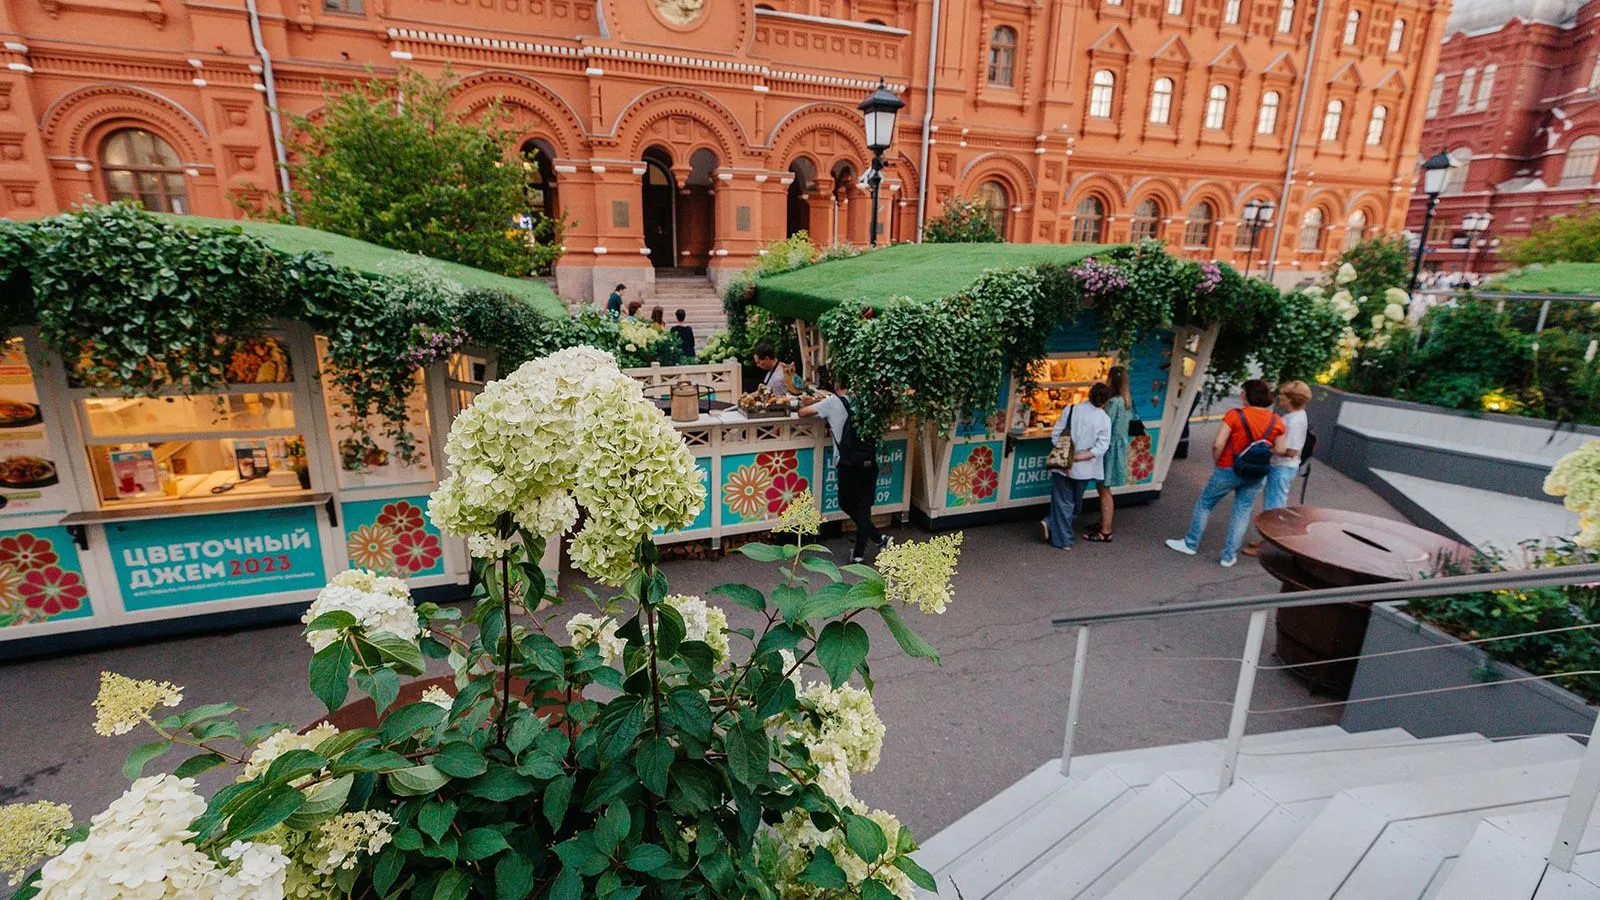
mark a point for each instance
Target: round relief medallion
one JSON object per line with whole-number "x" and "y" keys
{"x": 680, "y": 12}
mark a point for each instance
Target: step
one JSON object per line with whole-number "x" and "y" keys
{"x": 1325, "y": 857}
{"x": 1507, "y": 858}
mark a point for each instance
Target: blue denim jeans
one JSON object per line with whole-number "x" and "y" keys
{"x": 1222, "y": 483}
{"x": 1066, "y": 497}
{"x": 1279, "y": 480}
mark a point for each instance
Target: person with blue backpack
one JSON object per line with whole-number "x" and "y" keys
{"x": 1246, "y": 443}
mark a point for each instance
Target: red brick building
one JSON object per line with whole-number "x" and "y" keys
{"x": 1516, "y": 101}
{"x": 684, "y": 134}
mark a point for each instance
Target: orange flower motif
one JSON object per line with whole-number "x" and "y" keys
{"x": 10, "y": 590}
{"x": 962, "y": 476}
{"x": 371, "y": 547}
{"x": 745, "y": 491}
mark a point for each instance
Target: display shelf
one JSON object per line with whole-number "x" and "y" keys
{"x": 193, "y": 508}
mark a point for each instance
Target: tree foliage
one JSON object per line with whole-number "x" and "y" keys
{"x": 1573, "y": 238}
{"x": 961, "y": 221}
{"x": 1380, "y": 263}
{"x": 391, "y": 163}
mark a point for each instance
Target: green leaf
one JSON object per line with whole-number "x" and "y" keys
{"x": 567, "y": 886}
{"x": 827, "y": 601}
{"x": 825, "y": 567}
{"x": 435, "y": 817}
{"x": 647, "y": 858}
{"x": 460, "y": 759}
{"x": 330, "y": 674}
{"x": 263, "y": 811}
{"x": 404, "y": 654}
{"x": 382, "y": 685}
{"x": 482, "y": 843}
{"x": 782, "y": 637}
{"x": 873, "y": 889}
{"x": 295, "y": 764}
{"x": 540, "y": 765}
{"x": 205, "y": 712}
{"x": 791, "y": 601}
{"x": 670, "y": 631}
{"x": 557, "y": 794}
{"x": 337, "y": 618}
{"x": 910, "y": 641}
{"x": 864, "y": 837}
{"x": 612, "y": 828}
{"x": 840, "y": 648}
{"x": 748, "y": 756}
{"x": 861, "y": 571}
{"x": 416, "y": 781}
{"x": 824, "y": 872}
{"x": 919, "y": 876}
{"x": 582, "y": 854}
{"x": 623, "y": 733}
{"x": 409, "y": 719}
{"x": 453, "y": 885}
{"x": 867, "y": 594}
{"x": 388, "y": 867}
{"x": 690, "y": 712}
{"x": 524, "y": 730}
{"x": 762, "y": 552}
{"x": 323, "y": 801}
{"x": 499, "y": 784}
{"x": 370, "y": 759}
{"x": 652, "y": 762}
{"x": 513, "y": 877}
{"x": 742, "y": 594}
{"x": 194, "y": 765}
{"x": 545, "y": 653}
{"x": 140, "y": 756}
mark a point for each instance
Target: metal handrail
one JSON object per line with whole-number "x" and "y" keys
{"x": 1515, "y": 579}
{"x": 1581, "y": 801}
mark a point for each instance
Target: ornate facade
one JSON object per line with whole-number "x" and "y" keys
{"x": 688, "y": 133}
{"x": 1516, "y": 102}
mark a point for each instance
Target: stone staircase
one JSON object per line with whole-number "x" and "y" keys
{"x": 696, "y": 296}
{"x": 1314, "y": 814}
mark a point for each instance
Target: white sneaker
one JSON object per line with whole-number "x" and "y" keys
{"x": 1044, "y": 531}
{"x": 1228, "y": 563}
{"x": 1178, "y": 545}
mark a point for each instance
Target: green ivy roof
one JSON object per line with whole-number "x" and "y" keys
{"x": 369, "y": 258}
{"x": 1582, "y": 279}
{"x": 924, "y": 272}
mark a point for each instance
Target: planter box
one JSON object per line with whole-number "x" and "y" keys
{"x": 1503, "y": 710}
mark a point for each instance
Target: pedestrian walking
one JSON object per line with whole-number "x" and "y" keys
{"x": 1243, "y": 451}
{"x": 1293, "y": 397}
{"x": 614, "y": 302}
{"x": 1119, "y": 409}
{"x": 855, "y": 461}
{"x": 1090, "y": 430}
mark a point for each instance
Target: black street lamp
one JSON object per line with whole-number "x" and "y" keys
{"x": 1257, "y": 215}
{"x": 1474, "y": 224}
{"x": 1435, "y": 172}
{"x": 878, "y": 113}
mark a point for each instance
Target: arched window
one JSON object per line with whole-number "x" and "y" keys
{"x": 1376, "y": 125}
{"x": 1146, "y": 221}
{"x": 1397, "y": 35}
{"x": 1088, "y": 218}
{"x": 1332, "y": 120}
{"x": 1352, "y": 28}
{"x": 141, "y": 167}
{"x": 1230, "y": 12}
{"x": 1435, "y": 96}
{"x": 1485, "y": 87}
{"x": 1267, "y": 118}
{"x": 1197, "y": 234}
{"x": 1578, "y": 169}
{"x": 1217, "y": 108}
{"x": 1469, "y": 79}
{"x": 1101, "y": 93}
{"x": 1355, "y": 230}
{"x": 991, "y": 195}
{"x": 1002, "y": 56}
{"x": 1174, "y": 7}
{"x": 541, "y": 190}
{"x": 1161, "y": 101}
{"x": 1457, "y": 180}
{"x": 1286, "y": 17}
{"x": 1311, "y": 231}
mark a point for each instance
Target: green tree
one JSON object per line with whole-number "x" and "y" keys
{"x": 962, "y": 222}
{"x": 1380, "y": 263}
{"x": 1574, "y": 238}
{"x": 391, "y": 164}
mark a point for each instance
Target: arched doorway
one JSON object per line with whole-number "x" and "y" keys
{"x": 659, "y": 202}
{"x": 844, "y": 184}
{"x": 697, "y": 211}
{"x": 543, "y": 210}
{"x": 799, "y": 209}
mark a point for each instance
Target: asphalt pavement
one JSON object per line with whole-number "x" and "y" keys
{"x": 958, "y": 732}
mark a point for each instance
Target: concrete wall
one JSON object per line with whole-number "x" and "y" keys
{"x": 1530, "y": 707}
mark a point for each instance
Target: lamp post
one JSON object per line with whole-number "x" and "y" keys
{"x": 1257, "y": 215}
{"x": 1474, "y": 224}
{"x": 878, "y": 113}
{"x": 1435, "y": 172}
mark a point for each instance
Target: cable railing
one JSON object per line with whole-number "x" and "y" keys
{"x": 1580, "y": 802}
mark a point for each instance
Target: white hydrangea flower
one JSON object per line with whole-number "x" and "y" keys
{"x": 258, "y": 872}
{"x": 702, "y": 622}
{"x": 584, "y": 630}
{"x": 846, "y": 720}
{"x": 1394, "y": 312}
{"x": 378, "y": 602}
{"x": 344, "y": 838}
{"x": 438, "y": 696}
{"x": 484, "y": 545}
{"x": 1347, "y": 274}
{"x": 1396, "y": 295}
{"x": 280, "y": 742}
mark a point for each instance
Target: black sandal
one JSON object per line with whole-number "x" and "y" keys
{"x": 1097, "y": 537}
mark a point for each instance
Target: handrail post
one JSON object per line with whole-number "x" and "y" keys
{"x": 1074, "y": 695}
{"x": 1242, "y": 694}
{"x": 1580, "y": 805}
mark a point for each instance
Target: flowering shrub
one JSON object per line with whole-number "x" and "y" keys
{"x": 646, "y": 758}
{"x": 1575, "y": 478}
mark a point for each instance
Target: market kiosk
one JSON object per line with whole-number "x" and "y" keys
{"x": 752, "y": 465}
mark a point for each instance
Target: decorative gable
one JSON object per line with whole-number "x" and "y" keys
{"x": 1229, "y": 60}
{"x": 1348, "y": 77}
{"x": 1174, "y": 51}
{"x": 1112, "y": 43}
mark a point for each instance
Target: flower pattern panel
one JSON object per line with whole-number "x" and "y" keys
{"x": 41, "y": 578}
{"x": 758, "y": 487}
{"x": 974, "y": 474}
{"x": 393, "y": 537}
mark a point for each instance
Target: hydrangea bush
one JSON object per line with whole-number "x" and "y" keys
{"x": 657, "y": 752}
{"x": 1575, "y": 478}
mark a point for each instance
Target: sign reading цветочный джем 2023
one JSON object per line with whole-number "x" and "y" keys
{"x": 181, "y": 561}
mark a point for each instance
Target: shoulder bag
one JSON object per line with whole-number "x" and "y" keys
{"x": 1060, "y": 458}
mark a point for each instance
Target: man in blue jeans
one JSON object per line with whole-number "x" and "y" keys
{"x": 1240, "y": 427}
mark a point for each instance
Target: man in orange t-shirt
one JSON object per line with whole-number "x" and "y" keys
{"x": 1240, "y": 428}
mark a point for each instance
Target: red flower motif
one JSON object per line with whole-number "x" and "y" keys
{"x": 400, "y": 517}
{"x": 53, "y": 590}
{"x": 416, "y": 551}
{"x": 985, "y": 482}
{"x": 25, "y": 552}
{"x": 982, "y": 457}
{"x": 1141, "y": 462}
{"x": 778, "y": 461}
{"x": 783, "y": 490}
